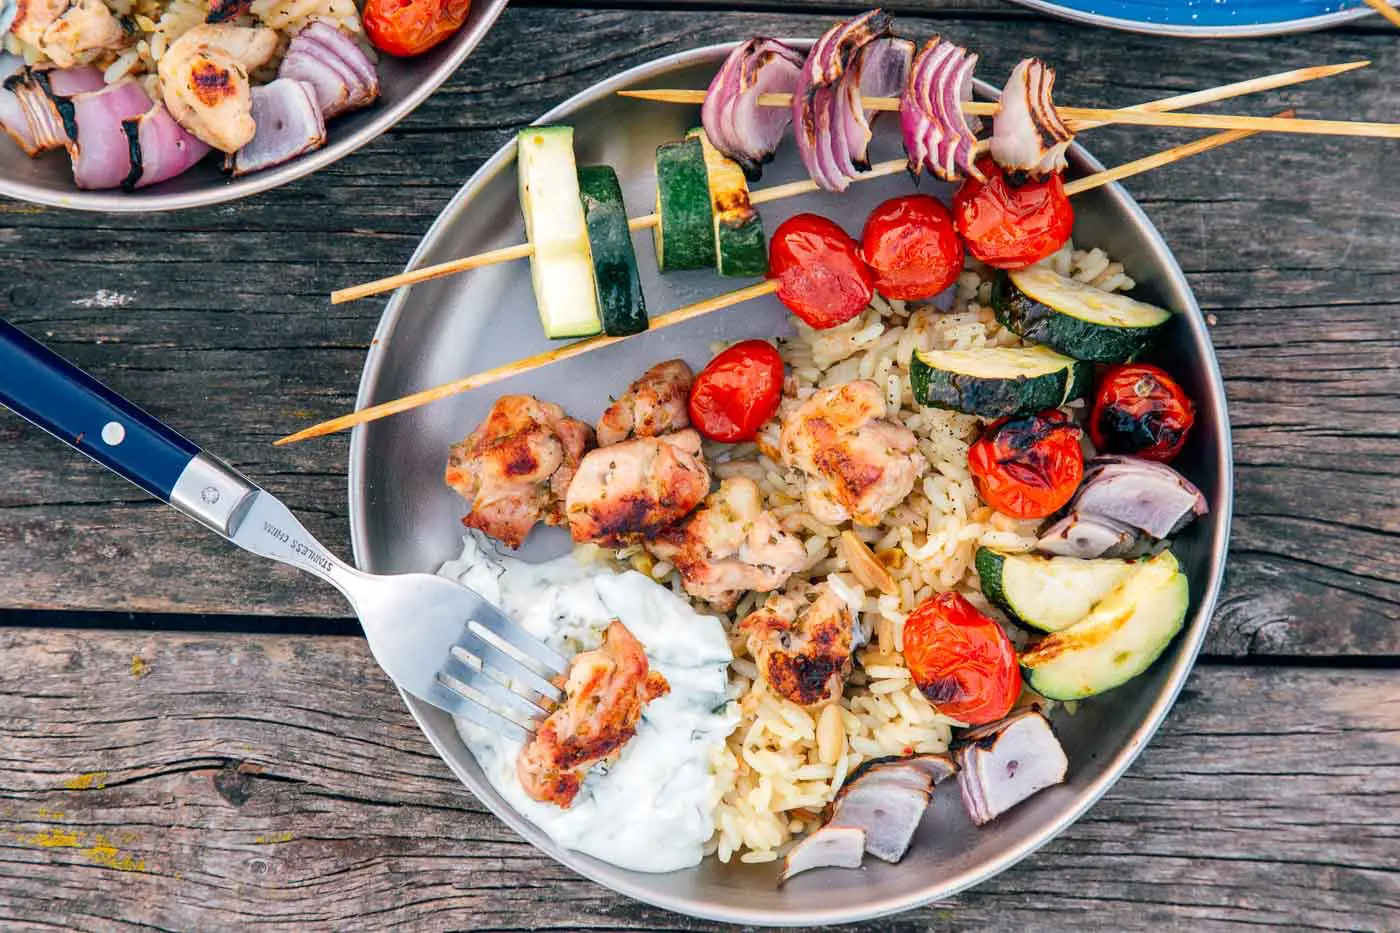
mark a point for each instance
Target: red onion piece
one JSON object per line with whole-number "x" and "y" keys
{"x": 938, "y": 136}
{"x": 99, "y": 149}
{"x": 1027, "y": 132}
{"x": 341, "y": 73}
{"x": 12, "y": 118}
{"x": 159, "y": 148}
{"x": 880, "y": 69}
{"x": 733, "y": 119}
{"x": 42, "y": 96}
{"x": 289, "y": 124}
{"x": 829, "y": 133}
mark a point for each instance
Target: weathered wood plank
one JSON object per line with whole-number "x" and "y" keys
{"x": 217, "y": 319}
{"x": 218, "y": 782}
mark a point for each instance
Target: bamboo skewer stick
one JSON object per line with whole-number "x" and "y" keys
{"x": 718, "y": 302}
{"x": 1103, "y": 115}
{"x": 793, "y": 189}
{"x": 476, "y": 381}
{"x": 985, "y": 109}
{"x": 1158, "y": 159}
{"x": 1385, "y": 9}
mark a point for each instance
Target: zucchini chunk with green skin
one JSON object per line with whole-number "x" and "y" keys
{"x": 684, "y": 233}
{"x": 997, "y": 381}
{"x": 1118, "y": 640}
{"x": 1073, "y": 317}
{"x": 621, "y": 303}
{"x": 741, "y": 249}
{"x": 1047, "y": 594}
{"x": 561, "y": 267}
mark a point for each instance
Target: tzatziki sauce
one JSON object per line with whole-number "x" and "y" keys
{"x": 650, "y": 809}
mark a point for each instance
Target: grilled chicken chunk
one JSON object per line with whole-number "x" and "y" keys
{"x": 204, "y": 81}
{"x": 858, "y": 464}
{"x": 730, "y": 546}
{"x": 802, "y": 648}
{"x": 82, "y": 30}
{"x": 630, "y": 491}
{"x": 516, "y": 467}
{"x": 604, "y": 694}
{"x": 655, "y": 404}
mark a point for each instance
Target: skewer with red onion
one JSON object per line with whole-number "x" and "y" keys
{"x": 734, "y": 121}
{"x": 828, "y": 130}
{"x": 1027, "y": 132}
{"x": 938, "y": 135}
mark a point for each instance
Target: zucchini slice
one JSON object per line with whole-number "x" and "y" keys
{"x": 1074, "y": 318}
{"x": 741, "y": 249}
{"x": 685, "y": 234}
{"x": 621, "y": 303}
{"x": 1118, "y": 640}
{"x": 1047, "y": 593}
{"x": 996, "y": 381}
{"x": 561, "y": 267}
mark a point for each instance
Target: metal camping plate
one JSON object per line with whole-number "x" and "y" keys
{"x": 404, "y": 518}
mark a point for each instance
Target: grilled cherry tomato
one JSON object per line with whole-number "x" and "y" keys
{"x": 821, "y": 277}
{"x": 1028, "y": 466}
{"x": 1011, "y": 221}
{"x": 961, "y": 660}
{"x": 411, "y": 27}
{"x": 1141, "y": 410}
{"x": 737, "y": 392}
{"x": 911, "y": 245}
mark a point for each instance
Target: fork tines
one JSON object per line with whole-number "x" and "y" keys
{"x": 499, "y": 676}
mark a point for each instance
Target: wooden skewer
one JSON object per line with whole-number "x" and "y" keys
{"x": 375, "y": 412}
{"x": 767, "y": 287}
{"x": 1158, "y": 159}
{"x": 985, "y": 109}
{"x": 763, "y": 196}
{"x": 1102, "y": 115}
{"x": 1385, "y": 9}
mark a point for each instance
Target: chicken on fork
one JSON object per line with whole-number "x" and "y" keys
{"x": 730, "y": 546}
{"x": 655, "y": 404}
{"x": 858, "y": 464}
{"x": 803, "y": 649}
{"x": 516, "y": 467}
{"x": 630, "y": 491}
{"x": 604, "y": 694}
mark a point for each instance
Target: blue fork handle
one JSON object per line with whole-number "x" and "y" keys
{"x": 80, "y": 411}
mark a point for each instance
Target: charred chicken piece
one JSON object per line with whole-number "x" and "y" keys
{"x": 516, "y": 467}
{"x": 630, "y": 491}
{"x": 730, "y": 546}
{"x": 604, "y": 694}
{"x": 204, "y": 81}
{"x": 858, "y": 464}
{"x": 84, "y": 29}
{"x": 802, "y": 648}
{"x": 655, "y": 404}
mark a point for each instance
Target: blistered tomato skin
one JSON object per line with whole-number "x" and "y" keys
{"x": 1012, "y": 222}
{"x": 410, "y": 27}
{"x": 910, "y": 244}
{"x": 821, "y": 276}
{"x": 1028, "y": 466}
{"x": 1139, "y": 409}
{"x": 961, "y": 660}
{"x": 737, "y": 392}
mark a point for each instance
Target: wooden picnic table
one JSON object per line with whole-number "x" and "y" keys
{"x": 194, "y": 739}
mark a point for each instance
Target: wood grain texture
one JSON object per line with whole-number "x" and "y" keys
{"x": 204, "y": 782}
{"x": 218, "y": 319}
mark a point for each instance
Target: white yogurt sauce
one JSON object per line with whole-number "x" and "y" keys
{"x": 650, "y": 809}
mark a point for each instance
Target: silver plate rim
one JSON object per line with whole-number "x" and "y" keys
{"x": 617, "y": 879}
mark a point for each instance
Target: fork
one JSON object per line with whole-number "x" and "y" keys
{"x": 438, "y": 640}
